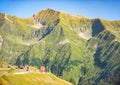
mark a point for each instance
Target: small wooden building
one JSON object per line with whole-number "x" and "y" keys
{"x": 42, "y": 69}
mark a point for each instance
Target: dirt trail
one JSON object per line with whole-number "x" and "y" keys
{"x": 25, "y": 72}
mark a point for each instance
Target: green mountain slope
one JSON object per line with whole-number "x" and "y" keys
{"x": 32, "y": 79}
{"x": 80, "y": 50}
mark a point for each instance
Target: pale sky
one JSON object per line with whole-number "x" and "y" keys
{"x": 105, "y": 9}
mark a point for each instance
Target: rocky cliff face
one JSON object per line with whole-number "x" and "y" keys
{"x": 80, "y": 50}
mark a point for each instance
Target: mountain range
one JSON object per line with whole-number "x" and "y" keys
{"x": 75, "y": 48}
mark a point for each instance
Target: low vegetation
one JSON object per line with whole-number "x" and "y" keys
{"x": 90, "y": 55}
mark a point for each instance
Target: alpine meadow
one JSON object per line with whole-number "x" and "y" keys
{"x": 76, "y": 49}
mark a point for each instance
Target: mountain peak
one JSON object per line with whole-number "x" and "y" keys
{"x": 46, "y": 16}
{"x": 48, "y": 9}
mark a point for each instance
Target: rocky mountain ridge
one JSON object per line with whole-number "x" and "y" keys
{"x": 71, "y": 47}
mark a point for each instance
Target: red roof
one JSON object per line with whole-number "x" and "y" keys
{"x": 42, "y": 69}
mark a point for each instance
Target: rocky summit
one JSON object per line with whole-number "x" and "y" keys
{"x": 80, "y": 50}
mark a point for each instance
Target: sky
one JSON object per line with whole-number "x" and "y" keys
{"x": 105, "y": 9}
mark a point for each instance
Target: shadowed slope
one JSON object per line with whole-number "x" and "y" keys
{"x": 71, "y": 47}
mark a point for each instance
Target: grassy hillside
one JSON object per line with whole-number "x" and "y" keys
{"x": 81, "y": 50}
{"x": 32, "y": 79}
